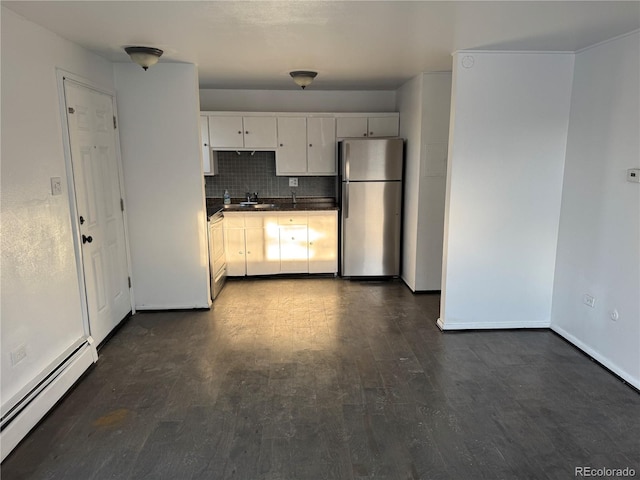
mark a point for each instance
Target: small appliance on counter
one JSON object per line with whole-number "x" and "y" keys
{"x": 370, "y": 206}
{"x": 217, "y": 260}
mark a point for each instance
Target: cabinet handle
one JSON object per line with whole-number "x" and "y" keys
{"x": 364, "y": 135}
{"x": 248, "y": 253}
{"x": 282, "y": 145}
{"x": 206, "y": 145}
{"x": 246, "y": 132}
{"x": 239, "y": 132}
{"x": 293, "y": 238}
{"x": 239, "y": 253}
{"x": 310, "y": 145}
{"x": 370, "y": 133}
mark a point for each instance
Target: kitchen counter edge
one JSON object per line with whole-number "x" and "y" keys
{"x": 282, "y": 207}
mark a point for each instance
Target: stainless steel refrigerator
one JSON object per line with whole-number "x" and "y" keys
{"x": 370, "y": 206}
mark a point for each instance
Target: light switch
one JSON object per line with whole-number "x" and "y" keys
{"x": 56, "y": 186}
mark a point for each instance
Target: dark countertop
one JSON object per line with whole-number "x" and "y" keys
{"x": 215, "y": 205}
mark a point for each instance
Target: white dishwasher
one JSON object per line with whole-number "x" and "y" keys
{"x": 217, "y": 261}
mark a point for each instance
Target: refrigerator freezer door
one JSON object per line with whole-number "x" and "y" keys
{"x": 371, "y": 232}
{"x": 371, "y": 159}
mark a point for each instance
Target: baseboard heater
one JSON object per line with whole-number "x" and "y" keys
{"x": 26, "y": 412}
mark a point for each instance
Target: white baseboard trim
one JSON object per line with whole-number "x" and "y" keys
{"x": 444, "y": 326}
{"x": 38, "y": 407}
{"x": 142, "y": 308}
{"x": 597, "y": 357}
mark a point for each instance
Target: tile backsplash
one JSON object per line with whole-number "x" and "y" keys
{"x": 241, "y": 172}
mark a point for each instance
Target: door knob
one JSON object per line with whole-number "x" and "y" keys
{"x": 81, "y": 220}
{"x": 86, "y": 239}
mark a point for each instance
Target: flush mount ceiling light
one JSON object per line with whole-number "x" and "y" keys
{"x": 144, "y": 56}
{"x": 303, "y": 77}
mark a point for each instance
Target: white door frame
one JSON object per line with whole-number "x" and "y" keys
{"x": 63, "y": 75}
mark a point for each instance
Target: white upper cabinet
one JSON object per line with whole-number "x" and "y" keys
{"x": 226, "y": 132}
{"x": 367, "y": 125}
{"x": 351, "y": 127}
{"x": 260, "y": 132}
{"x": 383, "y": 126}
{"x": 321, "y": 146}
{"x": 291, "y": 155}
{"x": 209, "y": 160}
{"x": 237, "y": 132}
{"x": 306, "y": 146}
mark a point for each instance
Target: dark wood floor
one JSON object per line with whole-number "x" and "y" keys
{"x": 331, "y": 379}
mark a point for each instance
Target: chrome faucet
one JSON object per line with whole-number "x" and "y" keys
{"x": 252, "y": 197}
{"x": 293, "y": 197}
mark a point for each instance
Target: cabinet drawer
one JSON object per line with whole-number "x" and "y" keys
{"x": 234, "y": 220}
{"x": 260, "y": 220}
{"x": 293, "y": 219}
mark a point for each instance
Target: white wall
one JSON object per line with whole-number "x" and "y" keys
{"x": 436, "y": 106}
{"x": 164, "y": 184}
{"x": 410, "y": 107}
{"x": 41, "y": 306}
{"x": 297, "y": 100}
{"x": 599, "y": 237}
{"x": 510, "y": 114}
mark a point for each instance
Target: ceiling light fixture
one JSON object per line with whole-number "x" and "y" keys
{"x": 303, "y": 78}
{"x": 144, "y": 56}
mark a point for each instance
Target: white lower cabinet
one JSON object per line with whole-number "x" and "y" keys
{"x": 268, "y": 243}
{"x": 234, "y": 247}
{"x": 262, "y": 241}
{"x": 294, "y": 252}
{"x": 323, "y": 242}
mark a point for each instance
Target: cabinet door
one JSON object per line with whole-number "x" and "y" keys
{"x": 384, "y": 126}
{"x": 294, "y": 257}
{"x": 323, "y": 242}
{"x": 234, "y": 246}
{"x": 262, "y": 257}
{"x": 321, "y": 146}
{"x": 351, "y": 127}
{"x": 204, "y": 143}
{"x": 291, "y": 155}
{"x": 260, "y": 132}
{"x": 225, "y": 132}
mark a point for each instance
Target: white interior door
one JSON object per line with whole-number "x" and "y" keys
{"x": 92, "y": 138}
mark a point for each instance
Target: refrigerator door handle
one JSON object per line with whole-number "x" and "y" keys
{"x": 346, "y": 161}
{"x": 346, "y": 200}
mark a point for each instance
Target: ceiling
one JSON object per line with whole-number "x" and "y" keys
{"x": 353, "y": 45}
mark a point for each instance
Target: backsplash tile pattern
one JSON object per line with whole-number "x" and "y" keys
{"x": 247, "y": 172}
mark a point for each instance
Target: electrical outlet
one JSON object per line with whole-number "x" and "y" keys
{"x": 18, "y": 355}
{"x": 293, "y": 181}
{"x": 614, "y": 314}
{"x": 56, "y": 186}
{"x": 633, "y": 175}
{"x": 589, "y": 300}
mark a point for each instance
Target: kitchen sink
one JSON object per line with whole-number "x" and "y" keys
{"x": 251, "y": 206}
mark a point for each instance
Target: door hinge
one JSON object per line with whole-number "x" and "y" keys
{"x": 71, "y": 110}
{"x": 115, "y": 124}
{"x": 129, "y": 279}
{"x": 121, "y": 205}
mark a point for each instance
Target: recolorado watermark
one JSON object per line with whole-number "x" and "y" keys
{"x": 585, "y": 471}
